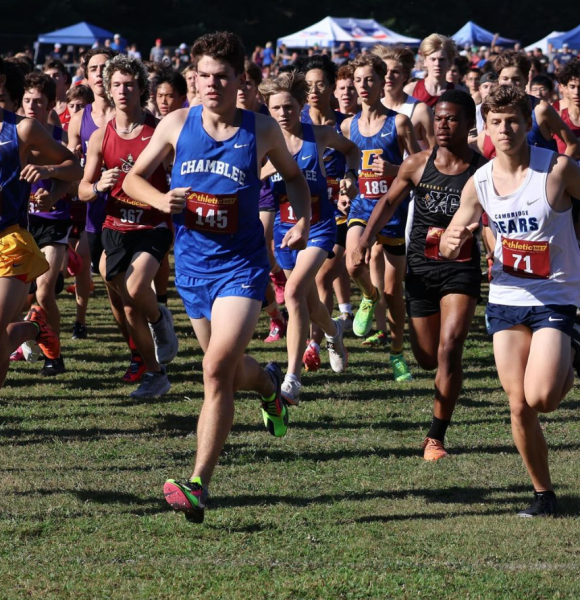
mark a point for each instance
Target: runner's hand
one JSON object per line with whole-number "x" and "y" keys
{"x": 458, "y": 234}
{"x": 384, "y": 168}
{"x": 174, "y": 201}
{"x": 348, "y": 188}
{"x": 361, "y": 255}
{"x": 108, "y": 180}
{"x": 34, "y": 173}
{"x": 296, "y": 238}
{"x": 44, "y": 200}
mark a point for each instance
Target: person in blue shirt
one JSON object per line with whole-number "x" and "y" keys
{"x": 221, "y": 262}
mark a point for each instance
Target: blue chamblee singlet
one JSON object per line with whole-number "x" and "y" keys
{"x": 220, "y": 230}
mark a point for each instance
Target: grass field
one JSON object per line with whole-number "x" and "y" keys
{"x": 344, "y": 507}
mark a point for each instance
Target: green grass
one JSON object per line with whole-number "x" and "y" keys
{"x": 344, "y": 507}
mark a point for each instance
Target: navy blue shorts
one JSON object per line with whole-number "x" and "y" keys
{"x": 499, "y": 317}
{"x": 199, "y": 294}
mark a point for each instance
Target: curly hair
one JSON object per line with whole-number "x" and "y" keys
{"x": 128, "y": 66}
{"x": 571, "y": 70}
{"x": 292, "y": 82}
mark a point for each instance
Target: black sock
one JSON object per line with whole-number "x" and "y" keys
{"x": 162, "y": 299}
{"x": 438, "y": 429}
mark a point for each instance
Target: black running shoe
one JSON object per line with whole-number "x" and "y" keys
{"x": 544, "y": 505}
{"x": 576, "y": 346}
{"x": 53, "y": 367}
{"x": 79, "y": 331}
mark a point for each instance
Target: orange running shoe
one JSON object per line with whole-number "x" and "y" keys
{"x": 46, "y": 339}
{"x": 434, "y": 449}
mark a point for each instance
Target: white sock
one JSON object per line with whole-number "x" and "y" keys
{"x": 345, "y": 308}
{"x": 337, "y": 334}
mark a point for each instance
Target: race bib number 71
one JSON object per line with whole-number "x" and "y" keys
{"x": 530, "y": 260}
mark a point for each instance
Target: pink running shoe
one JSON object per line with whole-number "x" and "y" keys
{"x": 278, "y": 328}
{"x": 279, "y": 281}
{"x": 17, "y": 355}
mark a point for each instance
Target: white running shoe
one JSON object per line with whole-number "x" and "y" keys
{"x": 166, "y": 342}
{"x": 337, "y": 353}
{"x": 291, "y": 391}
{"x": 31, "y": 351}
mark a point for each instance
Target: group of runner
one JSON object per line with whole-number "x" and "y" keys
{"x": 268, "y": 194}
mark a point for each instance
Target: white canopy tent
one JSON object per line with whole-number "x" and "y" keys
{"x": 543, "y": 43}
{"x": 332, "y": 31}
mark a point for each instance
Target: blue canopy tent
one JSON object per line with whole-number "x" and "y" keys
{"x": 572, "y": 38}
{"x": 81, "y": 34}
{"x": 474, "y": 35}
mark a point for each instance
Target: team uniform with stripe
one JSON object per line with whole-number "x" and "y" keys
{"x": 383, "y": 144}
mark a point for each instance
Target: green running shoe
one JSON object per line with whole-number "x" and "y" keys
{"x": 377, "y": 340}
{"x": 188, "y": 497}
{"x": 400, "y": 369}
{"x": 274, "y": 411}
{"x": 363, "y": 320}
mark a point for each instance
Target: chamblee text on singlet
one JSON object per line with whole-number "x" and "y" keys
{"x": 218, "y": 167}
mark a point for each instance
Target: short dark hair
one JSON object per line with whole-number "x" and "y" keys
{"x": 14, "y": 81}
{"x": 86, "y": 57}
{"x": 512, "y": 58}
{"x": 571, "y": 70}
{"x": 506, "y": 96}
{"x": 323, "y": 63}
{"x": 80, "y": 91}
{"x": 253, "y": 72}
{"x": 55, "y": 63}
{"x": 41, "y": 82}
{"x": 221, "y": 45}
{"x": 460, "y": 98}
{"x": 174, "y": 78}
{"x": 543, "y": 80}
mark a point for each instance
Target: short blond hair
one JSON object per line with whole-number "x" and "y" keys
{"x": 292, "y": 82}
{"x": 436, "y": 42}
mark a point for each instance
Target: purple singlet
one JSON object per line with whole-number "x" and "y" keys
{"x": 96, "y": 208}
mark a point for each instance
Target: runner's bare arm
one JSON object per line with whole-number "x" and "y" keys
{"x": 423, "y": 122}
{"x": 410, "y": 88}
{"x": 93, "y": 169}
{"x": 464, "y": 222}
{"x": 74, "y": 133}
{"x": 345, "y": 127}
{"x": 406, "y": 134}
{"x": 330, "y": 138}
{"x": 563, "y": 183}
{"x": 162, "y": 143}
{"x": 547, "y": 113}
{"x": 52, "y": 159}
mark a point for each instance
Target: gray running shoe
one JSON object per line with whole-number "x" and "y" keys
{"x": 337, "y": 353}
{"x": 166, "y": 342}
{"x": 152, "y": 385}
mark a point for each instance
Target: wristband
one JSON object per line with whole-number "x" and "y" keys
{"x": 95, "y": 190}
